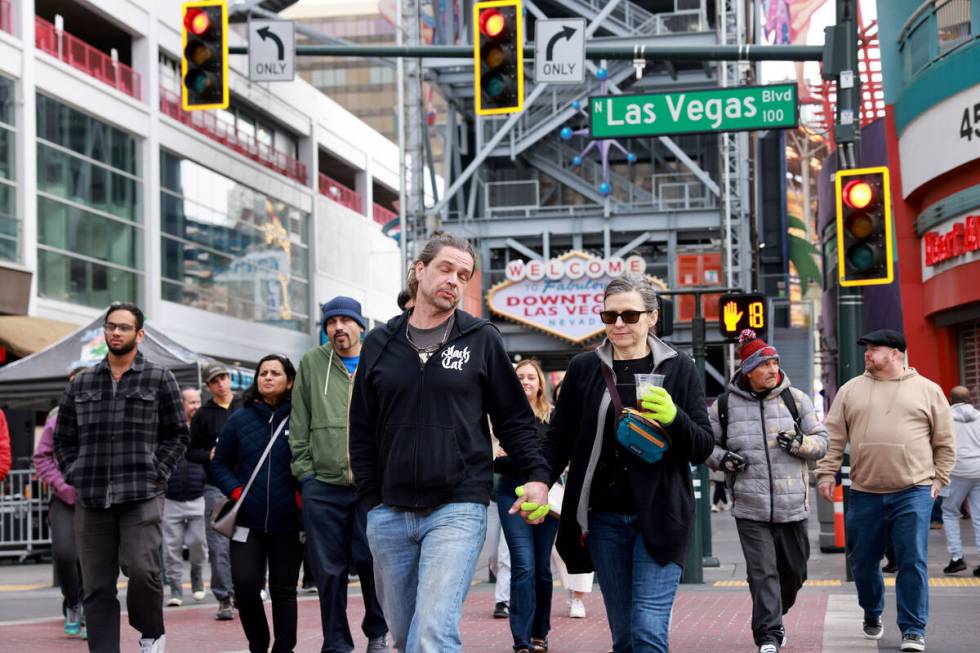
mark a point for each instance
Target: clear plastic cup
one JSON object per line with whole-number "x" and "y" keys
{"x": 643, "y": 384}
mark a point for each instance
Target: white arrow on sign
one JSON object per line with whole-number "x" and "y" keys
{"x": 271, "y": 51}
{"x": 559, "y": 51}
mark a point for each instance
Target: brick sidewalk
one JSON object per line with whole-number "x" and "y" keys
{"x": 705, "y": 621}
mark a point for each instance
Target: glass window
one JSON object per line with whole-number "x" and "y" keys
{"x": 62, "y": 125}
{"x": 227, "y": 248}
{"x": 69, "y": 279}
{"x": 9, "y": 221}
{"x": 65, "y": 175}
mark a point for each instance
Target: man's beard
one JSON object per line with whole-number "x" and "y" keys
{"x": 124, "y": 349}
{"x": 338, "y": 346}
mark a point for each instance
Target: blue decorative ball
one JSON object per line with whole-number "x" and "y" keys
{"x": 601, "y": 74}
{"x": 630, "y": 158}
{"x": 576, "y": 105}
{"x": 576, "y": 160}
{"x": 605, "y": 188}
{"x": 566, "y": 133}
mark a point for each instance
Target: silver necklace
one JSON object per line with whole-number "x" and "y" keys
{"x": 425, "y": 352}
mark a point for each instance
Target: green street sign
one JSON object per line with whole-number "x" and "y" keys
{"x": 738, "y": 108}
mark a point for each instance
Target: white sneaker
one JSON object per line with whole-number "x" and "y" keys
{"x": 263, "y": 595}
{"x": 768, "y": 648}
{"x": 198, "y": 595}
{"x": 157, "y": 645}
{"x": 715, "y": 507}
{"x": 576, "y": 609}
{"x": 174, "y": 601}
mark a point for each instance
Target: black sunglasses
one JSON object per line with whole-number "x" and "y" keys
{"x": 629, "y": 317}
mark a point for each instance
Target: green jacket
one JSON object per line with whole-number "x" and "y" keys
{"x": 318, "y": 422}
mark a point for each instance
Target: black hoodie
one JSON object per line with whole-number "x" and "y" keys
{"x": 419, "y": 434}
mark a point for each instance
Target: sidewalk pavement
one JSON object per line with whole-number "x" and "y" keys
{"x": 709, "y": 618}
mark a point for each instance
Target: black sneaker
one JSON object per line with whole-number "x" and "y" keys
{"x": 873, "y": 628}
{"x": 781, "y": 635}
{"x": 955, "y": 566}
{"x": 501, "y": 610}
{"x": 913, "y": 642}
{"x": 225, "y": 612}
{"x": 976, "y": 572}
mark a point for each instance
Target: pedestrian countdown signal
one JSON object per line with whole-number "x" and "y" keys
{"x": 864, "y": 227}
{"x": 204, "y": 58}
{"x": 498, "y": 57}
{"x": 740, "y": 311}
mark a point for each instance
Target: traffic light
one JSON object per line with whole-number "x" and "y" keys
{"x": 204, "y": 61}
{"x": 498, "y": 56}
{"x": 864, "y": 227}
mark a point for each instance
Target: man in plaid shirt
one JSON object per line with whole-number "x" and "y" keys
{"x": 121, "y": 431}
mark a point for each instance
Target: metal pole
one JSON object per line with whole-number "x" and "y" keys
{"x": 400, "y": 81}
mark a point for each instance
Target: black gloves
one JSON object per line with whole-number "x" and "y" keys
{"x": 791, "y": 442}
{"x": 732, "y": 462}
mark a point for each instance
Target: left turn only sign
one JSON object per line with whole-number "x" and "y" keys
{"x": 271, "y": 51}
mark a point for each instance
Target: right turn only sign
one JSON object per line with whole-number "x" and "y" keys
{"x": 559, "y": 51}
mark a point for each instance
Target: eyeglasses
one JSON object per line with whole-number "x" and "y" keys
{"x": 109, "y": 327}
{"x": 629, "y": 317}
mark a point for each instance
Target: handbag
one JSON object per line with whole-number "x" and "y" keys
{"x": 643, "y": 437}
{"x": 225, "y": 512}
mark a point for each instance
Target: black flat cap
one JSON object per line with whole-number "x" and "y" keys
{"x": 886, "y": 337}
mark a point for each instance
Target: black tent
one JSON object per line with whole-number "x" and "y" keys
{"x": 37, "y": 381}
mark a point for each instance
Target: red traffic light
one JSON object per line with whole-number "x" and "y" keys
{"x": 858, "y": 194}
{"x": 197, "y": 22}
{"x": 492, "y": 23}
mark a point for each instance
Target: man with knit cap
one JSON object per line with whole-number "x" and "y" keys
{"x": 334, "y": 524}
{"x": 765, "y": 432}
{"x": 902, "y": 440}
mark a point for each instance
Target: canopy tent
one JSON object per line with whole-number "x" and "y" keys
{"x": 37, "y": 381}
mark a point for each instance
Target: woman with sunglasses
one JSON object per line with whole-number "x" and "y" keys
{"x": 627, "y": 519}
{"x": 268, "y": 524}
{"x": 530, "y": 546}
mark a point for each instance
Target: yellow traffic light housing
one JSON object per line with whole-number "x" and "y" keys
{"x": 498, "y": 57}
{"x": 204, "y": 55}
{"x": 864, "y": 227}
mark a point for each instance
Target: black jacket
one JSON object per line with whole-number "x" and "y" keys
{"x": 187, "y": 481}
{"x": 270, "y": 504}
{"x": 662, "y": 491}
{"x": 119, "y": 445}
{"x": 419, "y": 435}
{"x": 205, "y": 427}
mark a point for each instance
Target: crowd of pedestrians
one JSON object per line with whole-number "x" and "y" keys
{"x": 379, "y": 455}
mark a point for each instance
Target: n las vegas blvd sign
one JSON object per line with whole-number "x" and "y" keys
{"x": 561, "y": 297}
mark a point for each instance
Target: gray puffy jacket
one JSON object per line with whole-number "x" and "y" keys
{"x": 775, "y": 485}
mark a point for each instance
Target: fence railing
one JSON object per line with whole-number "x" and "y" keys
{"x": 80, "y": 55}
{"x": 932, "y": 31}
{"x": 341, "y": 194}
{"x": 24, "y": 529}
{"x": 673, "y": 192}
{"x": 6, "y": 17}
{"x": 381, "y": 215}
{"x": 207, "y": 123}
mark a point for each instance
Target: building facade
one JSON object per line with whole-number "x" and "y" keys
{"x": 229, "y": 227}
{"x": 931, "y": 64}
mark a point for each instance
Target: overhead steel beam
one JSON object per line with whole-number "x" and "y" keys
{"x": 633, "y": 244}
{"x": 600, "y": 17}
{"x": 659, "y": 225}
{"x": 524, "y": 249}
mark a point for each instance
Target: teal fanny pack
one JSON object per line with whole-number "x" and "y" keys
{"x": 643, "y": 437}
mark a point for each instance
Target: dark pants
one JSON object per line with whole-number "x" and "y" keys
{"x": 283, "y": 554}
{"x": 531, "y": 584}
{"x": 126, "y": 535}
{"x": 719, "y": 496}
{"x": 775, "y": 559}
{"x": 64, "y": 553}
{"x": 217, "y": 548}
{"x": 335, "y": 537}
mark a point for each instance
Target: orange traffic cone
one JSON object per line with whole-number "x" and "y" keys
{"x": 839, "y": 539}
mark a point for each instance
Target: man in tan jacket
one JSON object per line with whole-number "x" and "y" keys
{"x": 903, "y": 448}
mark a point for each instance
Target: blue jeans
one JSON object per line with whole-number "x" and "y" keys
{"x": 637, "y": 591}
{"x": 423, "y": 565}
{"x": 902, "y": 518}
{"x": 531, "y": 584}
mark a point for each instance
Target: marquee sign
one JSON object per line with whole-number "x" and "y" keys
{"x": 953, "y": 243}
{"x": 561, "y": 297}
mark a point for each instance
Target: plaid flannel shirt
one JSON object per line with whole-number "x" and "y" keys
{"x": 120, "y": 446}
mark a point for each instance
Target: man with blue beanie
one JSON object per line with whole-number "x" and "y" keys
{"x": 334, "y": 524}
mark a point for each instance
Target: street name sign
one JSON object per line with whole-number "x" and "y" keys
{"x": 559, "y": 51}
{"x": 738, "y": 108}
{"x": 271, "y": 51}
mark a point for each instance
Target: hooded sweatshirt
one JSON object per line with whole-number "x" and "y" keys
{"x": 966, "y": 418}
{"x": 900, "y": 431}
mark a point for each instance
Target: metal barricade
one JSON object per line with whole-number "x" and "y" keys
{"x": 24, "y": 528}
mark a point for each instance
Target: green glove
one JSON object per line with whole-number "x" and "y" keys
{"x": 537, "y": 511}
{"x": 659, "y": 405}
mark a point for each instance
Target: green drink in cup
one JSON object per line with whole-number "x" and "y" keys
{"x": 643, "y": 384}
